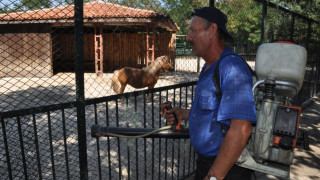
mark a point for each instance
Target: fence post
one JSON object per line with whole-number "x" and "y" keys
{"x": 211, "y": 3}
{"x": 80, "y": 99}
{"x": 263, "y": 24}
{"x": 317, "y": 75}
{"x": 292, "y": 27}
{"x": 308, "y": 36}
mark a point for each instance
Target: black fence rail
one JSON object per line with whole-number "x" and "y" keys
{"x": 311, "y": 83}
{"x": 39, "y": 143}
{"x": 42, "y": 143}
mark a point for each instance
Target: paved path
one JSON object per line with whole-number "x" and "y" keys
{"x": 306, "y": 163}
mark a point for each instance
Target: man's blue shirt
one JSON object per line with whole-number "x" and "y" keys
{"x": 236, "y": 103}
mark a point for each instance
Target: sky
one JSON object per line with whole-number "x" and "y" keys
{"x": 6, "y": 2}
{"x": 11, "y": 2}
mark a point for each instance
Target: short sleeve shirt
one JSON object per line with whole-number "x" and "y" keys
{"x": 237, "y": 102}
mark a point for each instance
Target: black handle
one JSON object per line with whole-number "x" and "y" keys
{"x": 175, "y": 117}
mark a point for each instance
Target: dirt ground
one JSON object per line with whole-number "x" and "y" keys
{"x": 27, "y": 92}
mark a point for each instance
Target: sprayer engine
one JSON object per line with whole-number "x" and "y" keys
{"x": 280, "y": 69}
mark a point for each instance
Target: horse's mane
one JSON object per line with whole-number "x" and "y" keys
{"x": 155, "y": 66}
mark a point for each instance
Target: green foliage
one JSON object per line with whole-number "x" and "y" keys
{"x": 4, "y": 9}
{"x": 309, "y": 8}
{"x": 244, "y": 19}
{"x": 244, "y": 16}
{"x": 181, "y": 10}
{"x": 143, "y": 4}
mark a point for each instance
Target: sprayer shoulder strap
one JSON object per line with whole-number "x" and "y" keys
{"x": 216, "y": 80}
{"x": 216, "y": 75}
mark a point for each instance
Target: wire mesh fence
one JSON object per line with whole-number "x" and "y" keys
{"x": 40, "y": 91}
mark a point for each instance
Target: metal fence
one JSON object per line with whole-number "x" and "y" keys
{"x": 57, "y": 60}
{"x": 297, "y": 28}
{"x": 43, "y": 143}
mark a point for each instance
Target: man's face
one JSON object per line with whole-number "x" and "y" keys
{"x": 198, "y": 36}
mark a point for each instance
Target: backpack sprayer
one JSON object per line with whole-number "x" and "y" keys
{"x": 280, "y": 69}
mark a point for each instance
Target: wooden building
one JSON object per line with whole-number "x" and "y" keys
{"x": 40, "y": 43}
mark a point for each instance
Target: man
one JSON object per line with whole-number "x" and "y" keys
{"x": 218, "y": 152}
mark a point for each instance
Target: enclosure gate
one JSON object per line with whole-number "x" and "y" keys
{"x": 42, "y": 143}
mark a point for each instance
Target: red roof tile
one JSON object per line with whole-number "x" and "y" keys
{"x": 90, "y": 10}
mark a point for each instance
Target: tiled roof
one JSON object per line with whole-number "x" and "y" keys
{"x": 91, "y": 11}
{"x": 95, "y": 9}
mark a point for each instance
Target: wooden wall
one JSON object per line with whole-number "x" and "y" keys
{"x": 119, "y": 50}
{"x": 123, "y": 49}
{"x": 63, "y": 52}
{"x": 25, "y": 55}
{"x": 42, "y": 54}
{"x": 166, "y": 45}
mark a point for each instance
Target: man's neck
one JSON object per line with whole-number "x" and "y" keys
{"x": 213, "y": 56}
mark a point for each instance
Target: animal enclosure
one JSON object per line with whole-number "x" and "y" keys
{"x": 39, "y": 44}
{"x": 57, "y": 60}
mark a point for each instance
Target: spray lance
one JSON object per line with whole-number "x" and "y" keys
{"x": 175, "y": 131}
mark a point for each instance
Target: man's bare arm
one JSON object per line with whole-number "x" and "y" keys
{"x": 231, "y": 148}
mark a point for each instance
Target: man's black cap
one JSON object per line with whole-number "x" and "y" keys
{"x": 213, "y": 14}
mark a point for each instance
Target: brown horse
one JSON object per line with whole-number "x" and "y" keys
{"x": 140, "y": 78}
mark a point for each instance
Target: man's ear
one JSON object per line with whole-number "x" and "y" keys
{"x": 213, "y": 29}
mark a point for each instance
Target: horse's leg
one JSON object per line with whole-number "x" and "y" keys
{"x": 123, "y": 86}
{"x": 149, "y": 94}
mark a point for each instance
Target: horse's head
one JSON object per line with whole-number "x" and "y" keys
{"x": 166, "y": 65}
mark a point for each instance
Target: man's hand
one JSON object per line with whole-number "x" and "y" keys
{"x": 181, "y": 114}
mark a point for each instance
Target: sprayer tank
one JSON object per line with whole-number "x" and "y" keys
{"x": 282, "y": 62}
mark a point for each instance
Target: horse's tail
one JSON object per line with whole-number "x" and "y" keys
{"x": 115, "y": 83}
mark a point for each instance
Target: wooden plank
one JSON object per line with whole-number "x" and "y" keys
{"x": 26, "y": 55}
{"x": 107, "y": 51}
{"x": 98, "y": 49}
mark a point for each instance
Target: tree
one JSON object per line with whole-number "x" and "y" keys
{"x": 244, "y": 19}
{"x": 309, "y": 8}
{"x": 244, "y": 16}
{"x": 181, "y": 10}
{"x": 144, "y": 4}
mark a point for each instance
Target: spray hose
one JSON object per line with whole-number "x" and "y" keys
{"x": 163, "y": 132}
{"x": 142, "y": 135}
